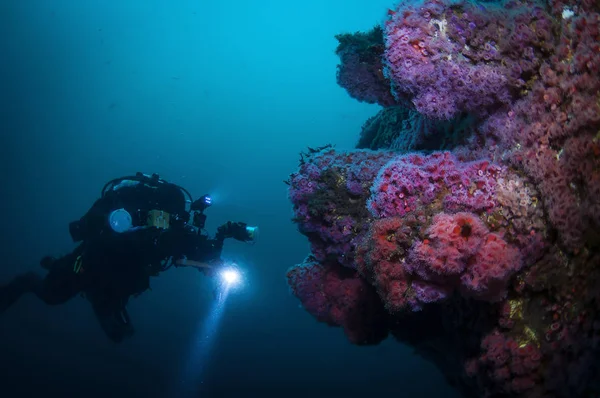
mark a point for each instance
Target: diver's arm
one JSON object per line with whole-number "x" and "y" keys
{"x": 201, "y": 252}
{"x": 238, "y": 231}
{"x": 204, "y": 255}
{"x": 184, "y": 262}
{"x": 201, "y": 248}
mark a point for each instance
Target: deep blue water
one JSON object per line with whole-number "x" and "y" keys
{"x": 219, "y": 97}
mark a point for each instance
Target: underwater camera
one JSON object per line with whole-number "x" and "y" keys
{"x": 252, "y": 232}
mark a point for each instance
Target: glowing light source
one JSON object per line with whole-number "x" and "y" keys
{"x": 231, "y": 276}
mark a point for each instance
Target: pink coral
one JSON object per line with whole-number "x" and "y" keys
{"x": 452, "y": 240}
{"x": 493, "y": 264}
{"x": 459, "y": 251}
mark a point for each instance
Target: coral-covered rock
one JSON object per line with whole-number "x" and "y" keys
{"x": 508, "y": 366}
{"x": 463, "y": 56}
{"x": 486, "y": 258}
{"x": 335, "y": 295}
{"x": 360, "y": 70}
{"x": 380, "y": 259}
{"x": 435, "y": 225}
{"x": 551, "y": 133}
{"x": 460, "y": 252}
{"x": 329, "y": 193}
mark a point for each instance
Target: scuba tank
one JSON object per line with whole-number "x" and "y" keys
{"x": 129, "y": 203}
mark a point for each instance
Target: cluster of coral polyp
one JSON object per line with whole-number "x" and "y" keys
{"x": 485, "y": 258}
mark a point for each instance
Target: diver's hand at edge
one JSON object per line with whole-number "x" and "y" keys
{"x": 207, "y": 268}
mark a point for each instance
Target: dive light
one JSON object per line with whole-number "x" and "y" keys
{"x": 231, "y": 276}
{"x": 202, "y": 204}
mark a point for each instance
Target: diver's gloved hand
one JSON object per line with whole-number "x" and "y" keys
{"x": 209, "y": 268}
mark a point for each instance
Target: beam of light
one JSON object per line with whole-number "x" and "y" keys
{"x": 192, "y": 378}
{"x": 191, "y": 383}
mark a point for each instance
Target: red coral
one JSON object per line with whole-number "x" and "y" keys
{"x": 511, "y": 366}
{"x": 494, "y": 263}
{"x": 461, "y": 252}
{"x": 337, "y": 296}
{"x": 380, "y": 258}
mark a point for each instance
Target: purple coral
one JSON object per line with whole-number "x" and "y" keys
{"x": 329, "y": 194}
{"x": 408, "y": 183}
{"x": 551, "y": 133}
{"x": 360, "y": 70}
{"x": 461, "y": 58}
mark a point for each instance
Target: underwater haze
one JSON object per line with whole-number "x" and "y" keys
{"x": 219, "y": 97}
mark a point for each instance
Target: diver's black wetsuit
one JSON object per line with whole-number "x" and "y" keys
{"x": 109, "y": 267}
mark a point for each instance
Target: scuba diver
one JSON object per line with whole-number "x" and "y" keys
{"x": 140, "y": 226}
